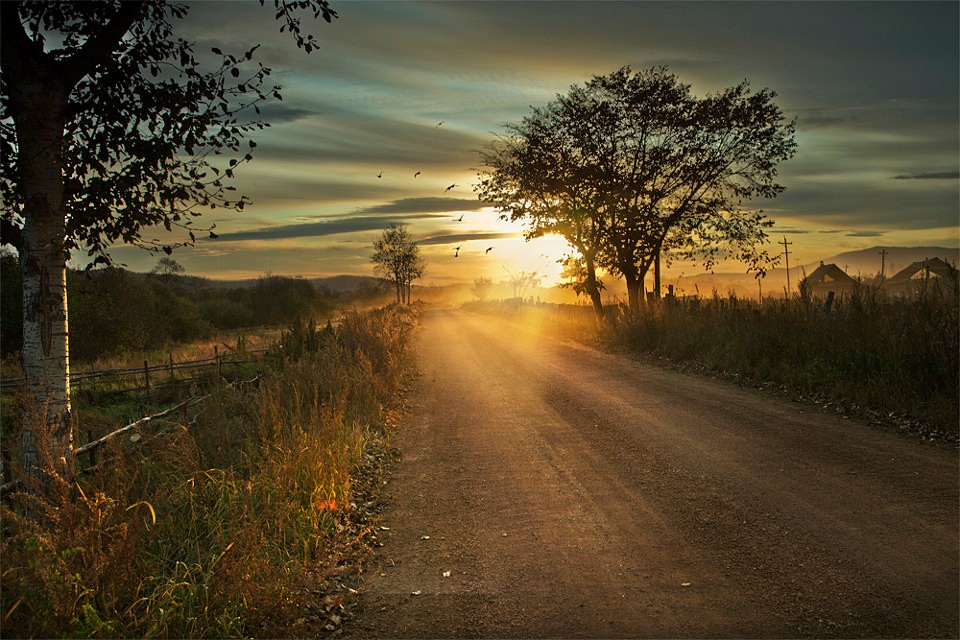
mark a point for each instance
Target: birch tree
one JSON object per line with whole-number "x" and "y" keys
{"x": 109, "y": 125}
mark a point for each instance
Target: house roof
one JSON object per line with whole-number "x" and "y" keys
{"x": 829, "y": 273}
{"x": 936, "y": 266}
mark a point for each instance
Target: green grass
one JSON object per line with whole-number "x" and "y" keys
{"x": 232, "y": 526}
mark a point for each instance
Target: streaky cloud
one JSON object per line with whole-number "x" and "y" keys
{"x": 935, "y": 175}
{"x": 313, "y": 229}
{"x": 464, "y": 237}
{"x": 426, "y": 205}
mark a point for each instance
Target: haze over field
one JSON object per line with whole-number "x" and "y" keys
{"x": 400, "y": 97}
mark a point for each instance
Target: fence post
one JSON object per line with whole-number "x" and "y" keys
{"x": 93, "y": 452}
{"x": 216, "y": 356}
{"x": 172, "y": 377}
{"x": 146, "y": 377}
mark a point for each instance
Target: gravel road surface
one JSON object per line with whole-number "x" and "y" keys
{"x": 550, "y": 490}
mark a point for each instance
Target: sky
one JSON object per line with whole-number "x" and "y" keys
{"x": 874, "y": 88}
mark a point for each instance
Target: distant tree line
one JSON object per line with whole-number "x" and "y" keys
{"x": 114, "y": 310}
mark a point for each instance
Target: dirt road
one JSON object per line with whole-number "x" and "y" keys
{"x": 571, "y": 493}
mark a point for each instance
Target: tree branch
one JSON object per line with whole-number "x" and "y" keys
{"x": 100, "y": 46}
{"x": 15, "y": 45}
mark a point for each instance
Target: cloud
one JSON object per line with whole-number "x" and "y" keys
{"x": 276, "y": 113}
{"x": 465, "y": 237}
{"x": 865, "y": 234}
{"x": 313, "y": 229}
{"x": 937, "y": 175}
{"x": 426, "y": 205}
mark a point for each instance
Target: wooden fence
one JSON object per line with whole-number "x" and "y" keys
{"x": 148, "y": 373}
{"x": 90, "y": 449}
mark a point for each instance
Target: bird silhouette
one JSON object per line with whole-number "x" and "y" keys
{"x": 441, "y": 122}
{"x": 456, "y": 252}
{"x": 380, "y": 175}
{"x": 450, "y": 187}
{"x": 489, "y": 249}
{"x": 460, "y": 219}
{"x": 416, "y": 174}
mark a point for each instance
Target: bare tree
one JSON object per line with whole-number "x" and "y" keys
{"x": 523, "y": 280}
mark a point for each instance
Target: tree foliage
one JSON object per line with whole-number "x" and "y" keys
{"x": 631, "y": 165}
{"x": 574, "y": 274}
{"x": 110, "y": 125}
{"x": 145, "y": 120}
{"x": 397, "y": 260}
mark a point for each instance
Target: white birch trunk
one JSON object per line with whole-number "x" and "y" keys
{"x": 43, "y": 260}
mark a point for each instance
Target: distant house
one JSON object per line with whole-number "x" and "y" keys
{"x": 918, "y": 276}
{"x": 827, "y": 279}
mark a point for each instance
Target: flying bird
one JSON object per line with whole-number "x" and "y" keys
{"x": 450, "y": 187}
{"x": 416, "y": 174}
{"x": 456, "y": 253}
{"x": 460, "y": 219}
{"x": 380, "y": 175}
{"x": 489, "y": 249}
{"x": 441, "y": 122}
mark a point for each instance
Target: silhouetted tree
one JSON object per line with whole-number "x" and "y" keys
{"x": 278, "y": 299}
{"x": 167, "y": 269}
{"x": 481, "y": 287}
{"x": 631, "y": 164}
{"x": 523, "y": 280}
{"x": 531, "y": 176}
{"x": 397, "y": 260}
{"x": 574, "y": 274}
{"x": 109, "y": 125}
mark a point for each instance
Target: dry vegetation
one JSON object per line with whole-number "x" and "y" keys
{"x": 243, "y": 522}
{"x": 891, "y": 361}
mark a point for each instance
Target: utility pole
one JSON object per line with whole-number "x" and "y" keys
{"x": 786, "y": 253}
{"x": 883, "y": 260}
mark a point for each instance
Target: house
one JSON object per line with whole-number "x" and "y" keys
{"x": 918, "y": 276}
{"x": 827, "y": 279}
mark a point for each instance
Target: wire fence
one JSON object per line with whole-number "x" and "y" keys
{"x": 90, "y": 448}
{"x": 148, "y": 374}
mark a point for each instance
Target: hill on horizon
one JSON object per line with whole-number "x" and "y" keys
{"x": 867, "y": 261}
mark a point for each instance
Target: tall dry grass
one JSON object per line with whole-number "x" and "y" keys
{"x": 235, "y": 525}
{"x": 872, "y": 354}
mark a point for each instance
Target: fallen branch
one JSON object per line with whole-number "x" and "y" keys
{"x": 99, "y": 442}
